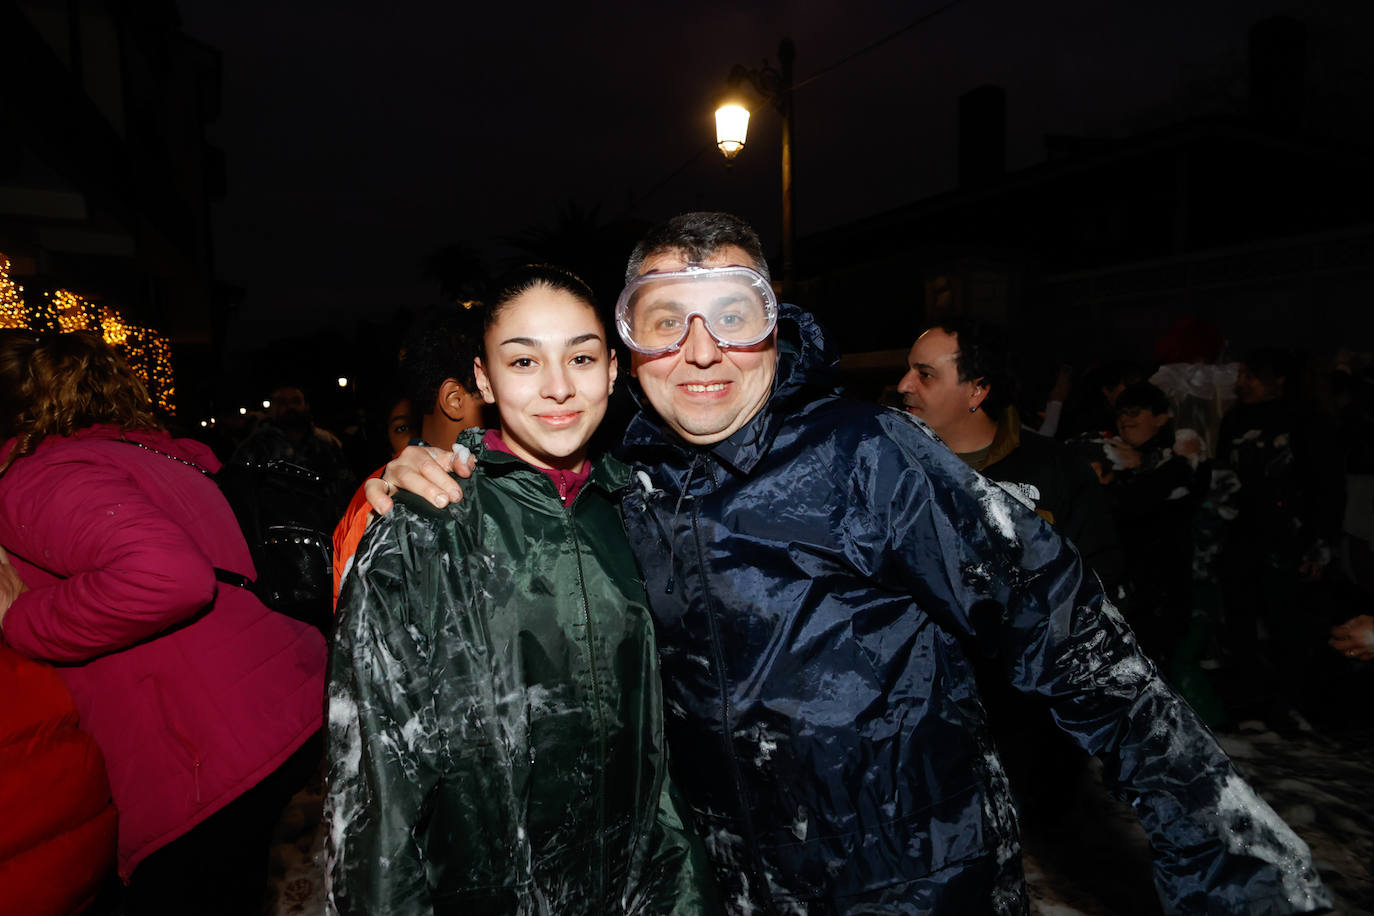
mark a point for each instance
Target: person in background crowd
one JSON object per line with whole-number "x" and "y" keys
{"x": 1355, "y": 638}
{"x": 1090, "y": 409}
{"x": 1156, "y": 483}
{"x": 959, "y": 383}
{"x": 1353, "y": 390}
{"x": 400, "y": 421}
{"x": 289, "y": 434}
{"x": 1197, "y": 376}
{"x": 496, "y": 720}
{"x": 132, "y": 566}
{"x": 822, "y": 573}
{"x": 1283, "y": 517}
{"x": 1049, "y": 416}
{"x": 1354, "y": 379}
{"x": 436, "y": 369}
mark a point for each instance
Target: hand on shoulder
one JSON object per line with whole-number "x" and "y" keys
{"x": 424, "y": 471}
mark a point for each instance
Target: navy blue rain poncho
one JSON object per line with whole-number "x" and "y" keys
{"x": 820, "y": 581}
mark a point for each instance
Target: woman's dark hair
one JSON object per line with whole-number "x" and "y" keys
{"x": 521, "y": 280}
{"x": 56, "y": 384}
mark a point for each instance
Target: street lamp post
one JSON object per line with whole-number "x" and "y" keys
{"x": 732, "y": 122}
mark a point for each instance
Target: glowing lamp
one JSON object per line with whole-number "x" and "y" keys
{"x": 732, "y": 125}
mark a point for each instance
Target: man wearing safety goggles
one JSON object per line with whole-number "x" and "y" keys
{"x": 736, "y": 305}
{"x": 703, "y": 340}
{"x": 819, "y": 571}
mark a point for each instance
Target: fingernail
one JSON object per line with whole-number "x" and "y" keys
{"x": 441, "y": 500}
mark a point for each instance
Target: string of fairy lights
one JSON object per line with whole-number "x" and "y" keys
{"x": 148, "y": 352}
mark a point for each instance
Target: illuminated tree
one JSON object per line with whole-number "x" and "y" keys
{"x": 148, "y": 352}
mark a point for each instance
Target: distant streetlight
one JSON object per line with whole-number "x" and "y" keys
{"x": 343, "y": 381}
{"x": 732, "y": 124}
{"x": 266, "y": 404}
{"x": 243, "y": 411}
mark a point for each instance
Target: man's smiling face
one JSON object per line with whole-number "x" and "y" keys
{"x": 705, "y": 394}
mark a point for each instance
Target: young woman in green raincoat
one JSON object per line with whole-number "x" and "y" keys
{"x": 495, "y": 711}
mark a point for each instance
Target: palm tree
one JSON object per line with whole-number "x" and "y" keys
{"x": 579, "y": 241}
{"x": 459, "y": 270}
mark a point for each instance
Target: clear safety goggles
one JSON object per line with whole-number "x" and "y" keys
{"x": 655, "y": 310}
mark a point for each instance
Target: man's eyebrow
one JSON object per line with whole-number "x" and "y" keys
{"x": 670, "y": 301}
{"x": 667, "y": 302}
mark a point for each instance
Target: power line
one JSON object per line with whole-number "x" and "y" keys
{"x": 921, "y": 20}
{"x": 710, "y": 145}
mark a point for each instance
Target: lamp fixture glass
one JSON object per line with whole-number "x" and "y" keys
{"x": 732, "y": 125}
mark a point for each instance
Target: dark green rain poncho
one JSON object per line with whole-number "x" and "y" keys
{"x": 495, "y": 712}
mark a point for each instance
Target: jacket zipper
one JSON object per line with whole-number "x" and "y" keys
{"x": 596, "y": 697}
{"x": 750, "y": 837}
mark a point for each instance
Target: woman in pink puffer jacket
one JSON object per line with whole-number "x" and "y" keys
{"x": 201, "y": 699}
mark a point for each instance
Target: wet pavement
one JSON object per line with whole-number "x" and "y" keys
{"x": 1090, "y": 858}
{"x": 1094, "y": 859}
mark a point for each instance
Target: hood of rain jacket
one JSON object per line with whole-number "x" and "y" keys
{"x": 820, "y": 581}
{"x": 496, "y": 731}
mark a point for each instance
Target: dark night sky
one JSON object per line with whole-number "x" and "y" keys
{"x": 358, "y": 139}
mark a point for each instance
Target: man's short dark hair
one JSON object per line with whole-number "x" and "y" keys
{"x": 983, "y": 355}
{"x": 1142, "y": 395}
{"x": 439, "y": 346}
{"x": 698, "y": 236}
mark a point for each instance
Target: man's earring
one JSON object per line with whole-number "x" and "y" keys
{"x": 973, "y": 409}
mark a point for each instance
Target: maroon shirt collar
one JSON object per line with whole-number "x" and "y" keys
{"x": 567, "y": 483}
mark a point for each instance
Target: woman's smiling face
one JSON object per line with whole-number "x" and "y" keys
{"x": 549, "y": 372}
